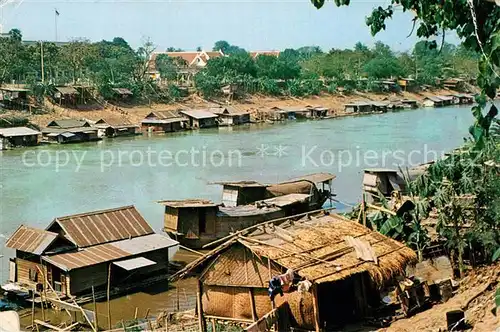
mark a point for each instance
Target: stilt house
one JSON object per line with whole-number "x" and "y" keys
{"x": 337, "y": 266}
{"x": 79, "y": 251}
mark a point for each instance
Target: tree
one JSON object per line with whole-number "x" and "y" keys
{"x": 16, "y": 35}
{"x": 227, "y": 48}
{"x": 167, "y": 66}
{"x": 78, "y": 55}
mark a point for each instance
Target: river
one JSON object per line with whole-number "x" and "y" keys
{"x": 41, "y": 183}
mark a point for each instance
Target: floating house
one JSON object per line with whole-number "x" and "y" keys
{"x": 317, "y": 112}
{"x": 448, "y": 100}
{"x": 14, "y": 98}
{"x": 18, "y": 136}
{"x": 197, "y": 222}
{"x": 229, "y": 116}
{"x": 200, "y": 118}
{"x": 78, "y": 252}
{"x": 464, "y": 98}
{"x": 454, "y": 83}
{"x": 358, "y": 107}
{"x": 409, "y": 103}
{"x": 113, "y": 127}
{"x": 329, "y": 270}
{"x": 69, "y": 131}
{"x": 163, "y": 121}
{"x": 433, "y": 101}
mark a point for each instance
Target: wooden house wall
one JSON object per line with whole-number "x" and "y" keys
{"x": 226, "y": 224}
{"x": 247, "y": 195}
{"x": 171, "y": 218}
{"x": 23, "y": 268}
{"x": 83, "y": 279}
{"x": 189, "y": 219}
{"x": 208, "y": 122}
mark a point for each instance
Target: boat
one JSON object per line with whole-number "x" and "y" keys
{"x": 195, "y": 223}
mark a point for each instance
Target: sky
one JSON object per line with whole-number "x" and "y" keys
{"x": 187, "y": 24}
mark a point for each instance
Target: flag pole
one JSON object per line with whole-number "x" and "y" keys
{"x": 56, "y": 13}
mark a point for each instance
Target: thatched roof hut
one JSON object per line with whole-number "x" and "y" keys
{"x": 345, "y": 262}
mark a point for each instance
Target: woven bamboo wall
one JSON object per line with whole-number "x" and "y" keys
{"x": 234, "y": 302}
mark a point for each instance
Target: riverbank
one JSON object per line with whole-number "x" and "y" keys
{"x": 134, "y": 114}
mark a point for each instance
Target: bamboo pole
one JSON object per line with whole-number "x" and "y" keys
{"x": 177, "y": 296}
{"x": 33, "y": 309}
{"x": 371, "y": 206}
{"x": 41, "y": 304}
{"x": 136, "y": 312}
{"x": 201, "y": 322}
{"x": 96, "y": 323}
{"x": 107, "y": 296}
{"x": 317, "y": 324}
{"x": 147, "y": 313}
{"x": 190, "y": 250}
{"x": 252, "y": 305}
{"x": 214, "y": 328}
{"x": 53, "y": 290}
{"x": 222, "y": 239}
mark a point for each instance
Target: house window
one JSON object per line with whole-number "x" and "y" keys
{"x": 33, "y": 275}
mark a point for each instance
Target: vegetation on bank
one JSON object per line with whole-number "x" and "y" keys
{"x": 295, "y": 72}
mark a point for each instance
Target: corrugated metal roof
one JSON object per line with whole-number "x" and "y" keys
{"x": 316, "y": 177}
{"x": 31, "y": 240}
{"x": 86, "y": 257}
{"x": 188, "y": 203}
{"x": 246, "y": 210}
{"x": 103, "y": 226}
{"x": 199, "y": 114}
{"x": 17, "y": 131}
{"x": 162, "y": 121}
{"x": 67, "y": 90}
{"x": 68, "y": 123}
{"x": 145, "y": 243}
{"x": 134, "y": 263}
{"x": 285, "y": 200}
{"x": 122, "y": 91}
{"x": 108, "y": 252}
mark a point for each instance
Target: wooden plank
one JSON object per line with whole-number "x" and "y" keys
{"x": 252, "y": 305}
{"x": 47, "y": 325}
{"x": 200, "y": 307}
{"x": 317, "y": 323}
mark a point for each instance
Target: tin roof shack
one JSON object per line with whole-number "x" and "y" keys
{"x": 66, "y": 95}
{"x": 18, "y": 136}
{"x": 408, "y": 84}
{"x": 464, "y": 98}
{"x": 379, "y": 106}
{"x": 122, "y": 94}
{"x": 335, "y": 270}
{"x": 456, "y": 84}
{"x": 163, "y": 122}
{"x": 242, "y": 192}
{"x": 229, "y": 116}
{"x": 26, "y": 269}
{"x": 455, "y": 100}
{"x": 113, "y": 127}
{"x": 409, "y": 103}
{"x": 448, "y": 100}
{"x": 299, "y": 112}
{"x": 317, "y": 112}
{"x": 358, "y": 107}
{"x": 433, "y": 101}
{"x": 69, "y": 131}
{"x": 14, "y": 98}
{"x": 200, "y": 118}
{"x": 78, "y": 251}
{"x": 190, "y": 221}
{"x": 383, "y": 181}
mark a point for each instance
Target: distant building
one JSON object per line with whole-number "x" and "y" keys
{"x": 200, "y": 118}
{"x": 255, "y": 54}
{"x": 163, "y": 121}
{"x": 113, "y": 127}
{"x": 69, "y": 131}
{"x": 229, "y": 116}
{"x": 18, "y": 136}
{"x": 75, "y": 253}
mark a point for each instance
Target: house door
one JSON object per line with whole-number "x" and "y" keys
{"x": 12, "y": 271}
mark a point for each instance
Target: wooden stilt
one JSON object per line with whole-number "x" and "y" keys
{"x": 317, "y": 324}
{"x": 201, "y": 321}
{"x": 214, "y": 327}
{"x": 252, "y": 305}
{"x": 177, "y": 296}
{"x": 147, "y": 314}
{"x": 33, "y": 309}
{"x": 136, "y": 312}
{"x": 107, "y": 296}
{"x": 41, "y": 304}
{"x": 96, "y": 323}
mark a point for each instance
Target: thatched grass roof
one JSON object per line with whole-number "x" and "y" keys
{"x": 318, "y": 250}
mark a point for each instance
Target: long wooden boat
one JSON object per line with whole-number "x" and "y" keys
{"x": 197, "y": 222}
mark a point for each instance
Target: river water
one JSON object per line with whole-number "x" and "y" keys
{"x": 38, "y": 184}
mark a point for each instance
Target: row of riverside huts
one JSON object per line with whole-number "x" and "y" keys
{"x": 75, "y": 253}
{"x": 447, "y": 100}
